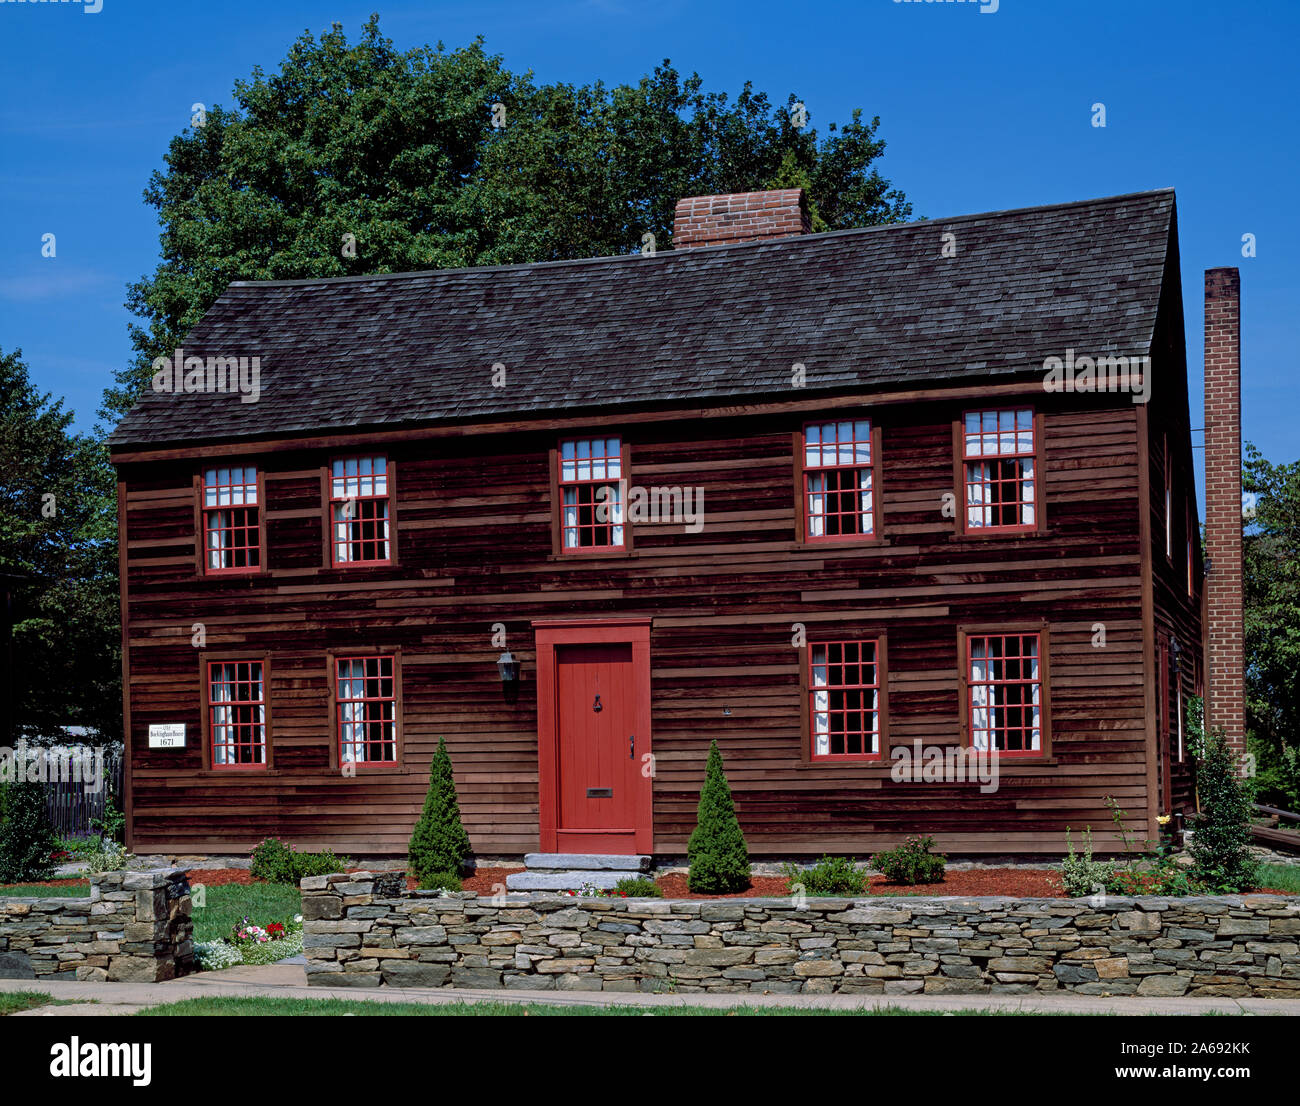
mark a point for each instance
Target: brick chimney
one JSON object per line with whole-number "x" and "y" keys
{"x": 740, "y": 217}
{"x": 1225, "y": 654}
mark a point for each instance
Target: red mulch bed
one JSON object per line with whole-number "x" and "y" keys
{"x": 1011, "y": 882}
{"x": 484, "y": 880}
{"x": 48, "y": 883}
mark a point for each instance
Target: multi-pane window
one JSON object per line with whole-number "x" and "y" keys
{"x": 359, "y": 510}
{"x": 237, "y": 714}
{"x": 999, "y": 465}
{"x": 1005, "y": 693}
{"x": 367, "y": 709}
{"x": 837, "y": 479}
{"x": 844, "y": 693}
{"x": 231, "y": 537}
{"x": 591, "y": 502}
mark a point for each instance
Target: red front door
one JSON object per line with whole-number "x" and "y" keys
{"x": 595, "y": 771}
{"x": 596, "y": 727}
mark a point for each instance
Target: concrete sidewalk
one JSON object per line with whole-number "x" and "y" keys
{"x": 290, "y": 981}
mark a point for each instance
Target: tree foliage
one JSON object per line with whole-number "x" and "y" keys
{"x": 718, "y": 855}
{"x": 399, "y": 150}
{"x": 1220, "y": 845}
{"x": 439, "y": 844}
{"x": 26, "y": 839}
{"x": 59, "y": 554}
{"x": 1272, "y": 615}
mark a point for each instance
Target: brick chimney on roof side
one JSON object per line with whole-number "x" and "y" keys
{"x": 740, "y": 217}
{"x": 1225, "y": 653}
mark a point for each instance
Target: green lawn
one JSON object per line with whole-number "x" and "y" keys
{"x": 229, "y": 903}
{"x": 13, "y": 1001}
{"x": 31, "y": 890}
{"x": 217, "y": 1006}
{"x": 1281, "y": 877}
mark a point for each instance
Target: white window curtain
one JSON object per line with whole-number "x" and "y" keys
{"x": 222, "y": 720}
{"x": 821, "y": 702}
{"x": 981, "y": 705}
{"x": 817, "y": 504}
{"x": 865, "y": 500}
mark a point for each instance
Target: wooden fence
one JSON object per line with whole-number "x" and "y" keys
{"x": 72, "y": 805}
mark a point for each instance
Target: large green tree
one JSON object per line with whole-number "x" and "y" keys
{"x": 58, "y": 560}
{"x": 1272, "y": 593}
{"x": 433, "y": 158}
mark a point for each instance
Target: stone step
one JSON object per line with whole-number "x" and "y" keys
{"x": 586, "y": 862}
{"x": 564, "y": 881}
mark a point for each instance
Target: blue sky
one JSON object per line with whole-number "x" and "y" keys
{"x": 981, "y": 111}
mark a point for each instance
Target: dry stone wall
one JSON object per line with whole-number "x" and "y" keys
{"x": 132, "y": 927}
{"x": 363, "y": 930}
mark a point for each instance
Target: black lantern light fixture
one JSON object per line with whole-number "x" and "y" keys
{"x": 1176, "y": 652}
{"x": 508, "y": 667}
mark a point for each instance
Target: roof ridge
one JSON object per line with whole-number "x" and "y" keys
{"x": 668, "y": 255}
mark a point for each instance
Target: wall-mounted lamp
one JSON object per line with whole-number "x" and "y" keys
{"x": 726, "y": 712}
{"x": 508, "y": 667}
{"x": 1176, "y": 652}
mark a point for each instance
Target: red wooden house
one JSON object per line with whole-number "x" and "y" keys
{"x": 807, "y": 494}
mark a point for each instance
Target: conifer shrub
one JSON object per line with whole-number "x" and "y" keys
{"x": 718, "y": 856}
{"x": 1220, "y": 845}
{"x": 439, "y": 844}
{"x": 26, "y": 838}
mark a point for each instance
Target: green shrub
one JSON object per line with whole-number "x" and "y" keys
{"x": 26, "y": 838}
{"x": 109, "y": 857}
{"x": 1161, "y": 880}
{"x": 1220, "y": 844}
{"x": 278, "y": 862}
{"x": 832, "y": 875}
{"x": 439, "y": 843}
{"x": 113, "y": 824}
{"x": 717, "y": 852}
{"x": 638, "y": 887}
{"x": 911, "y": 863}
{"x": 441, "y": 881}
{"x": 1080, "y": 874}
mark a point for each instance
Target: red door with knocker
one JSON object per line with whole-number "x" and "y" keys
{"x": 594, "y": 736}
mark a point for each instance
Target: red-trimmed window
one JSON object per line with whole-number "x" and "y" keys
{"x": 591, "y": 494}
{"x": 359, "y": 510}
{"x": 367, "y": 709}
{"x": 1005, "y": 693}
{"x": 844, "y": 699}
{"x": 998, "y": 459}
{"x": 237, "y": 714}
{"x": 231, "y": 534}
{"x": 837, "y": 480}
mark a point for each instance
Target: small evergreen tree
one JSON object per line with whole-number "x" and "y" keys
{"x": 26, "y": 839}
{"x": 1220, "y": 845}
{"x": 718, "y": 855}
{"x": 439, "y": 843}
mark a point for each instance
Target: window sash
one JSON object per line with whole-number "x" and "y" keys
{"x": 999, "y": 463}
{"x": 359, "y": 511}
{"x": 590, "y": 487}
{"x": 237, "y": 714}
{"x": 844, "y": 699}
{"x": 838, "y": 479}
{"x": 366, "y": 694}
{"x": 1005, "y": 688}
{"x": 231, "y": 523}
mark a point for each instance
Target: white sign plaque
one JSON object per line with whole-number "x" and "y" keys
{"x": 168, "y": 736}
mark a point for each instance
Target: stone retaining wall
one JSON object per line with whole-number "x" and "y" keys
{"x": 363, "y": 930}
{"x": 132, "y": 927}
